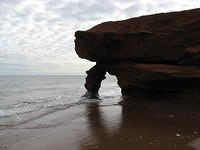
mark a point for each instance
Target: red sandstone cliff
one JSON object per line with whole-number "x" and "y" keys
{"x": 153, "y": 54}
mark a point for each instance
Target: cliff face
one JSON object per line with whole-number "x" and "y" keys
{"x": 148, "y": 55}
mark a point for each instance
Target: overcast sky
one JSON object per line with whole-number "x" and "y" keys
{"x": 37, "y": 36}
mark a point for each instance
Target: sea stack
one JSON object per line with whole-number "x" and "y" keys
{"x": 156, "y": 56}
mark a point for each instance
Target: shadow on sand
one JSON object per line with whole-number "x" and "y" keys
{"x": 141, "y": 125}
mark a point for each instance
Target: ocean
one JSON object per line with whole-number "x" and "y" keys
{"x": 27, "y": 98}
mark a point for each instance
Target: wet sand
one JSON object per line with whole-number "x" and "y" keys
{"x": 130, "y": 125}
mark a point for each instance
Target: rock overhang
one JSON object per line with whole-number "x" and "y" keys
{"x": 157, "y": 47}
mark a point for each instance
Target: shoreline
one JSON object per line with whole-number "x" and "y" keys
{"x": 139, "y": 125}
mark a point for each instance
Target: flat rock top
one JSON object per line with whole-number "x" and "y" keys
{"x": 163, "y": 22}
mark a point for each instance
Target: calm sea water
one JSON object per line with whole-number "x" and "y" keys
{"x": 26, "y": 98}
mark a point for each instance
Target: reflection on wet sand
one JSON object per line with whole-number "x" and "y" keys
{"x": 131, "y": 127}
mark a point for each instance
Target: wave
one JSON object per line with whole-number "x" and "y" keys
{"x": 24, "y": 112}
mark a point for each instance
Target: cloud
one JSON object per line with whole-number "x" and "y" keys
{"x": 38, "y": 35}
{"x": 10, "y": 2}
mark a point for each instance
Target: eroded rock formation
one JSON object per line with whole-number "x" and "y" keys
{"x": 150, "y": 55}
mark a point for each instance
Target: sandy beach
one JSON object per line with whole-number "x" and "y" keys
{"x": 110, "y": 126}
